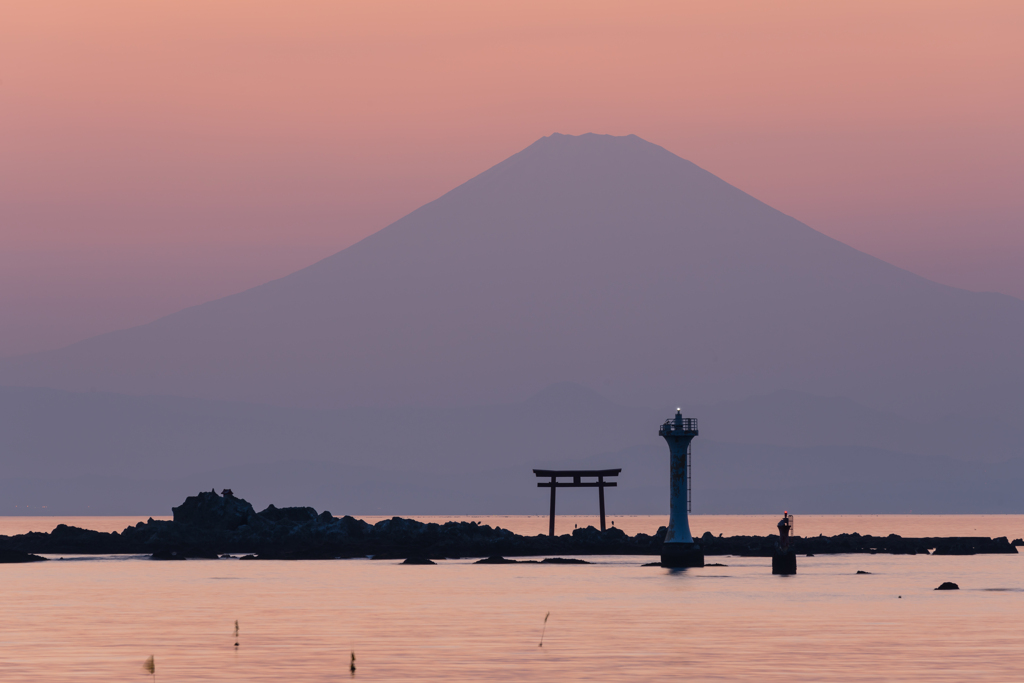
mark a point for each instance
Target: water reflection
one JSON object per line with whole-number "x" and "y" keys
{"x": 613, "y": 620}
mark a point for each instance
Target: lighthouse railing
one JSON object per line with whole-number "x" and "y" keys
{"x": 686, "y": 424}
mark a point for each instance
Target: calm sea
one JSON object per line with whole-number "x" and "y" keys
{"x": 98, "y": 619}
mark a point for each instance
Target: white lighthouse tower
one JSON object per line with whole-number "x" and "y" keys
{"x": 679, "y": 550}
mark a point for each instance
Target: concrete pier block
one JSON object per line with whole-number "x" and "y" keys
{"x": 678, "y": 555}
{"x": 784, "y": 562}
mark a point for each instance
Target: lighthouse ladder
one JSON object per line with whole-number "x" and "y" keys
{"x": 689, "y": 478}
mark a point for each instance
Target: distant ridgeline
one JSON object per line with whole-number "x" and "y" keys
{"x": 209, "y": 525}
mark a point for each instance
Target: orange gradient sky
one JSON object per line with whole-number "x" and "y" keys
{"x": 156, "y": 155}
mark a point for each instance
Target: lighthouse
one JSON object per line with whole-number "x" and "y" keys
{"x": 679, "y": 550}
{"x": 784, "y": 557}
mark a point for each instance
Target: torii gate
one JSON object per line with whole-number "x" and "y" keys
{"x": 576, "y": 475}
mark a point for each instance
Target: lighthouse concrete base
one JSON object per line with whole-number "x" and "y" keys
{"x": 677, "y": 555}
{"x": 783, "y": 562}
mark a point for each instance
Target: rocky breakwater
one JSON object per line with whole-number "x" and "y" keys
{"x": 763, "y": 546}
{"x": 18, "y": 557}
{"x": 209, "y": 525}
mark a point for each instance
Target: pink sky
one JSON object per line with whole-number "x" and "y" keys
{"x": 156, "y": 155}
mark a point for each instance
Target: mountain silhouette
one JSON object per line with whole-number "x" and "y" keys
{"x": 604, "y": 261}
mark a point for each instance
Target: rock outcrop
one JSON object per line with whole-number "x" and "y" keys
{"x": 209, "y": 525}
{"x": 217, "y": 513}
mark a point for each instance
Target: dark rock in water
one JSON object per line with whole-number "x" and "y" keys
{"x": 859, "y": 571}
{"x": 1018, "y": 542}
{"x": 166, "y": 555}
{"x": 17, "y": 557}
{"x": 418, "y": 560}
{"x": 948, "y": 586}
{"x": 716, "y": 564}
{"x": 248, "y": 557}
{"x": 651, "y": 564}
{"x": 563, "y": 560}
{"x": 496, "y": 559}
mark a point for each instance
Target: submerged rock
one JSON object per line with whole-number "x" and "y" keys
{"x": 496, "y": 559}
{"x": 418, "y": 560}
{"x": 563, "y": 560}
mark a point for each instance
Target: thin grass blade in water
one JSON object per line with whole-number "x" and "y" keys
{"x": 544, "y": 629}
{"x": 150, "y": 666}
